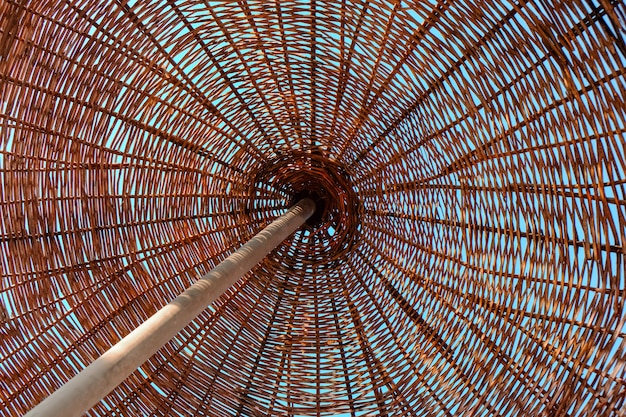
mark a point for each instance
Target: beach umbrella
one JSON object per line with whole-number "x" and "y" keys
{"x": 457, "y": 176}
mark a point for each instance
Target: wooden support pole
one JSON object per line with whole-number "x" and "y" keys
{"x": 94, "y": 382}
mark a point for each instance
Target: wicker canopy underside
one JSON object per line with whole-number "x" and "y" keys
{"x": 471, "y": 159}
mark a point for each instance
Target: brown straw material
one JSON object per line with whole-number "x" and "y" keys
{"x": 468, "y": 159}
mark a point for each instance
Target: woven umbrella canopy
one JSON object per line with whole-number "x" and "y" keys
{"x": 467, "y": 160}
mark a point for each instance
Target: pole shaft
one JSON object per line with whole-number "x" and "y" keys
{"x": 94, "y": 382}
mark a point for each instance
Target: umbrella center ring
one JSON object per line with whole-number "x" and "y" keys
{"x": 291, "y": 177}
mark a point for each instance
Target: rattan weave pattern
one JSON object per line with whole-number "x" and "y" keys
{"x": 471, "y": 158}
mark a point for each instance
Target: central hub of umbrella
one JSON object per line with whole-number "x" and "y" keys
{"x": 333, "y": 227}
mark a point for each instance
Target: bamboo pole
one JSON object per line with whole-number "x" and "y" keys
{"x": 94, "y": 382}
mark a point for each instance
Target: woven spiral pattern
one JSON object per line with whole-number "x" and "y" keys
{"x": 468, "y": 159}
